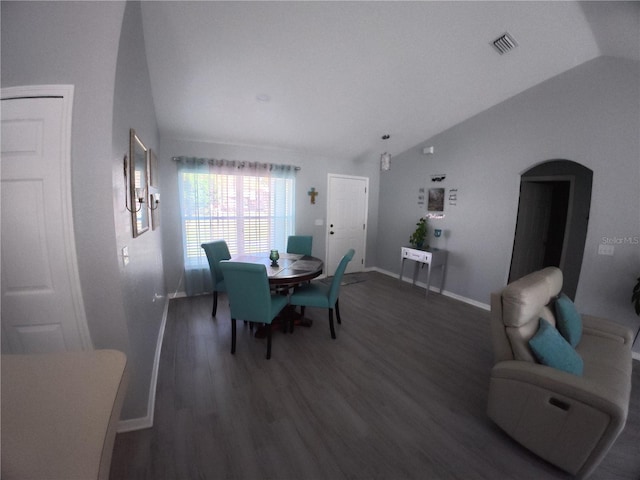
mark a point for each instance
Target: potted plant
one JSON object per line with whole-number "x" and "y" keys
{"x": 417, "y": 238}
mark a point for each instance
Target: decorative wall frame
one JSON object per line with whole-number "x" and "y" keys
{"x": 138, "y": 184}
{"x": 153, "y": 169}
{"x": 436, "y": 200}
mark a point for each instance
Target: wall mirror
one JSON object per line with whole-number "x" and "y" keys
{"x": 138, "y": 184}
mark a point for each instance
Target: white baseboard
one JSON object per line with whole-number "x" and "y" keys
{"x": 147, "y": 421}
{"x": 446, "y": 293}
{"x": 635, "y": 355}
{"x": 135, "y": 424}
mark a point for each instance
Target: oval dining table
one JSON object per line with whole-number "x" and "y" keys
{"x": 292, "y": 269}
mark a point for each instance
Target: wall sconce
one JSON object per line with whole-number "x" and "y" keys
{"x": 155, "y": 200}
{"x": 385, "y": 161}
{"x": 385, "y": 158}
{"x": 139, "y": 200}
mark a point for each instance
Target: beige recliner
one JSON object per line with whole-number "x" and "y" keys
{"x": 569, "y": 420}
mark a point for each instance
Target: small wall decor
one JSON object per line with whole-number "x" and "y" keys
{"x": 421, "y": 197}
{"x": 438, "y": 178}
{"x": 453, "y": 196}
{"x": 436, "y": 200}
{"x": 313, "y": 194}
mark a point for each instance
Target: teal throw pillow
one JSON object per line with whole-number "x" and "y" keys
{"x": 568, "y": 320}
{"x": 551, "y": 349}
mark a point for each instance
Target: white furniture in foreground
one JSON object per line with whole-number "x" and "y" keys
{"x": 60, "y": 412}
{"x": 431, "y": 257}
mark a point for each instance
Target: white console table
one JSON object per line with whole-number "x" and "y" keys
{"x": 431, "y": 257}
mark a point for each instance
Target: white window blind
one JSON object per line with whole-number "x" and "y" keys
{"x": 250, "y": 206}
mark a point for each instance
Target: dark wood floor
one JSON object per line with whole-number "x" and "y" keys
{"x": 401, "y": 393}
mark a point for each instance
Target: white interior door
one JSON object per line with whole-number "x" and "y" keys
{"x": 346, "y": 221}
{"x": 42, "y": 308}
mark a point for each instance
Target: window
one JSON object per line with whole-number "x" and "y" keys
{"x": 250, "y": 206}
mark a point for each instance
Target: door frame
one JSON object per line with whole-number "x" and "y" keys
{"x": 66, "y": 94}
{"x": 580, "y": 203}
{"x": 567, "y": 226}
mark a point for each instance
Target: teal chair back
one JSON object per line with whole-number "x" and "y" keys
{"x": 250, "y": 297}
{"x": 300, "y": 244}
{"x": 334, "y": 290}
{"x": 216, "y": 252}
{"x": 317, "y": 294}
{"x": 248, "y": 291}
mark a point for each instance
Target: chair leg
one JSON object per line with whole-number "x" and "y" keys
{"x": 215, "y": 304}
{"x": 333, "y": 332}
{"x": 338, "y": 310}
{"x": 233, "y": 336}
{"x": 302, "y": 310}
{"x": 268, "y": 341}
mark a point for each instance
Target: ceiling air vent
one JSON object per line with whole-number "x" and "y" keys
{"x": 504, "y": 43}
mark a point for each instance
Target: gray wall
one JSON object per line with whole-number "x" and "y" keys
{"x": 78, "y": 43}
{"x": 313, "y": 173}
{"x": 142, "y": 280}
{"x": 591, "y": 115}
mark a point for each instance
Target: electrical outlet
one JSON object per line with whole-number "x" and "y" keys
{"x": 125, "y": 256}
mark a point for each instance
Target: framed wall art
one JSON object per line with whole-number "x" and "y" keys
{"x": 436, "y": 200}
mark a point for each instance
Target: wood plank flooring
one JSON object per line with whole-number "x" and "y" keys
{"x": 400, "y": 394}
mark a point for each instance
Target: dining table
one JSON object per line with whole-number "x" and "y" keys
{"x": 290, "y": 270}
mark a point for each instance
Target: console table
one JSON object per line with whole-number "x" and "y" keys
{"x": 431, "y": 257}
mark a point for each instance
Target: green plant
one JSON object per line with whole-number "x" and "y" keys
{"x": 635, "y": 298}
{"x": 417, "y": 238}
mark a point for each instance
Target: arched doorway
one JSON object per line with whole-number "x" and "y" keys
{"x": 553, "y": 215}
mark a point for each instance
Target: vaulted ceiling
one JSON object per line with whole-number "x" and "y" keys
{"x": 330, "y": 78}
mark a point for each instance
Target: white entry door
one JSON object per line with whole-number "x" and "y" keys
{"x": 346, "y": 221}
{"x": 42, "y": 308}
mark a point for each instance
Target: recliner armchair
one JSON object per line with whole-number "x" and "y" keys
{"x": 569, "y": 420}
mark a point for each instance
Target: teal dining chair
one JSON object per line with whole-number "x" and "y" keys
{"x": 300, "y": 244}
{"x": 317, "y": 294}
{"x": 216, "y": 252}
{"x": 250, "y": 298}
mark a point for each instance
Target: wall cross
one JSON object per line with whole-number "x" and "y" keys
{"x": 313, "y": 194}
